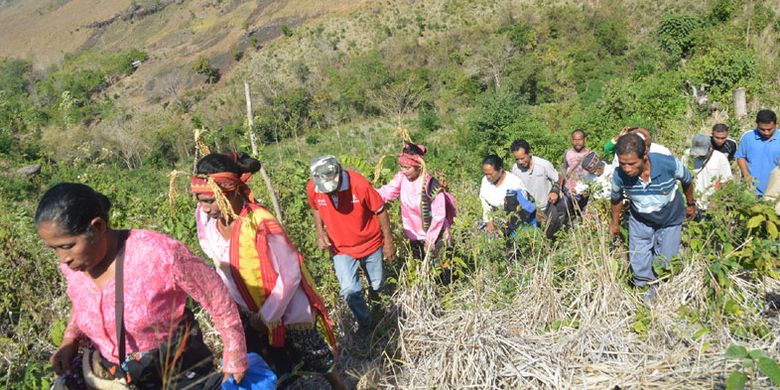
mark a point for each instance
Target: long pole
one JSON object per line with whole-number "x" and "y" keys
{"x": 253, "y": 142}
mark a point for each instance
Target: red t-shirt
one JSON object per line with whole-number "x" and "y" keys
{"x": 352, "y": 227}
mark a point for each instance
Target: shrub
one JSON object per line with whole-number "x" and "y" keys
{"x": 487, "y": 122}
{"x": 520, "y": 34}
{"x": 427, "y": 120}
{"x": 763, "y": 15}
{"x": 723, "y": 70}
{"x": 286, "y": 30}
{"x": 652, "y": 102}
{"x": 675, "y": 33}
{"x": 203, "y": 66}
{"x": 364, "y": 73}
{"x": 613, "y": 36}
{"x": 723, "y": 10}
{"x": 236, "y": 54}
{"x": 14, "y": 76}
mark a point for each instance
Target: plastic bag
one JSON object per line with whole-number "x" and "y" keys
{"x": 772, "y": 191}
{"x": 258, "y": 377}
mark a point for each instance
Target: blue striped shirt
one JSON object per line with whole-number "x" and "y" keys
{"x": 655, "y": 202}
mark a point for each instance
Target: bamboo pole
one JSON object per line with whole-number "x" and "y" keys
{"x": 253, "y": 142}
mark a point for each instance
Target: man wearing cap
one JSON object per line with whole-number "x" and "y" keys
{"x": 721, "y": 142}
{"x": 759, "y": 151}
{"x": 352, "y": 223}
{"x": 649, "y": 182}
{"x": 710, "y": 168}
{"x": 599, "y": 176}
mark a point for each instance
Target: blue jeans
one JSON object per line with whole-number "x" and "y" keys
{"x": 351, "y": 287}
{"x": 647, "y": 244}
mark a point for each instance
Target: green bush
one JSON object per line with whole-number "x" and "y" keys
{"x": 286, "y": 30}
{"x": 613, "y": 36}
{"x": 14, "y": 76}
{"x": 521, "y": 35}
{"x": 723, "y": 70}
{"x": 675, "y": 33}
{"x": 763, "y": 15}
{"x": 203, "y": 66}
{"x": 488, "y": 121}
{"x": 427, "y": 120}
{"x": 652, "y": 102}
{"x": 364, "y": 73}
{"x": 723, "y": 10}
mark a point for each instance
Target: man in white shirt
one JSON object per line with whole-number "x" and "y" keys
{"x": 710, "y": 168}
{"x": 542, "y": 181}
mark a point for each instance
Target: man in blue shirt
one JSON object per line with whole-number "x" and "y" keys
{"x": 649, "y": 182}
{"x": 759, "y": 151}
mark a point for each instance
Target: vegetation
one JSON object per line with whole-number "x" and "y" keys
{"x": 204, "y": 67}
{"x": 465, "y": 79}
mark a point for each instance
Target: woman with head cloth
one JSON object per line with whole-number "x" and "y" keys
{"x": 158, "y": 274}
{"x": 261, "y": 268}
{"x": 427, "y": 210}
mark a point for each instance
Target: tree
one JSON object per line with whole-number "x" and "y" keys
{"x": 400, "y": 97}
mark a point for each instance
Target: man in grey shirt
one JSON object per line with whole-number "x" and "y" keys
{"x": 541, "y": 179}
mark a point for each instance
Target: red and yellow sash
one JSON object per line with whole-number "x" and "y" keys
{"x": 254, "y": 274}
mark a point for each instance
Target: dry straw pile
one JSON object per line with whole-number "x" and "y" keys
{"x": 570, "y": 326}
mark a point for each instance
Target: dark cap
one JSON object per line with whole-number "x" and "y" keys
{"x": 591, "y": 162}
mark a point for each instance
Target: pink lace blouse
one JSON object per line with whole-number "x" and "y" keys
{"x": 159, "y": 273}
{"x": 411, "y": 213}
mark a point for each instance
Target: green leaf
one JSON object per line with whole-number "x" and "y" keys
{"x": 757, "y": 353}
{"x": 771, "y": 228}
{"x": 736, "y": 381}
{"x": 755, "y": 221}
{"x": 736, "y": 352}
{"x": 57, "y": 332}
{"x": 732, "y": 307}
{"x": 769, "y": 368}
{"x": 699, "y": 333}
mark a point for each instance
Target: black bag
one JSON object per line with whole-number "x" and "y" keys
{"x": 517, "y": 214}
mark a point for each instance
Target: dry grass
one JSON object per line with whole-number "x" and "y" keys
{"x": 573, "y": 333}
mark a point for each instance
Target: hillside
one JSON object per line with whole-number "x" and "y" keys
{"x": 174, "y": 33}
{"x": 463, "y": 77}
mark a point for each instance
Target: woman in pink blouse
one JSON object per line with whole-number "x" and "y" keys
{"x": 427, "y": 211}
{"x": 263, "y": 271}
{"x": 159, "y": 274}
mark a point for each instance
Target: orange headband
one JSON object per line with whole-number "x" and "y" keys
{"x": 227, "y": 182}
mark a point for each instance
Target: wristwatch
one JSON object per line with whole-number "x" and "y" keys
{"x": 691, "y": 203}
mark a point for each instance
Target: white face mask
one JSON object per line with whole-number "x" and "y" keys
{"x": 326, "y": 185}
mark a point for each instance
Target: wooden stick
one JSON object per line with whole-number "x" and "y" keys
{"x": 263, "y": 172}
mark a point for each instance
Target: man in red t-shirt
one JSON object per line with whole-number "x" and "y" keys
{"x": 352, "y": 223}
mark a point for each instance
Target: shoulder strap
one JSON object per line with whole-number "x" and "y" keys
{"x": 706, "y": 160}
{"x": 119, "y": 292}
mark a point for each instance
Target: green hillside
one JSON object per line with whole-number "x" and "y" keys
{"x": 465, "y": 78}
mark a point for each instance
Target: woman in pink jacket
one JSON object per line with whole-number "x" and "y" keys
{"x": 427, "y": 209}
{"x": 158, "y": 274}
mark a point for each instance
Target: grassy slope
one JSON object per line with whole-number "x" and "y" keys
{"x": 45, "y": 31}
{"x": 580, "y": 325}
